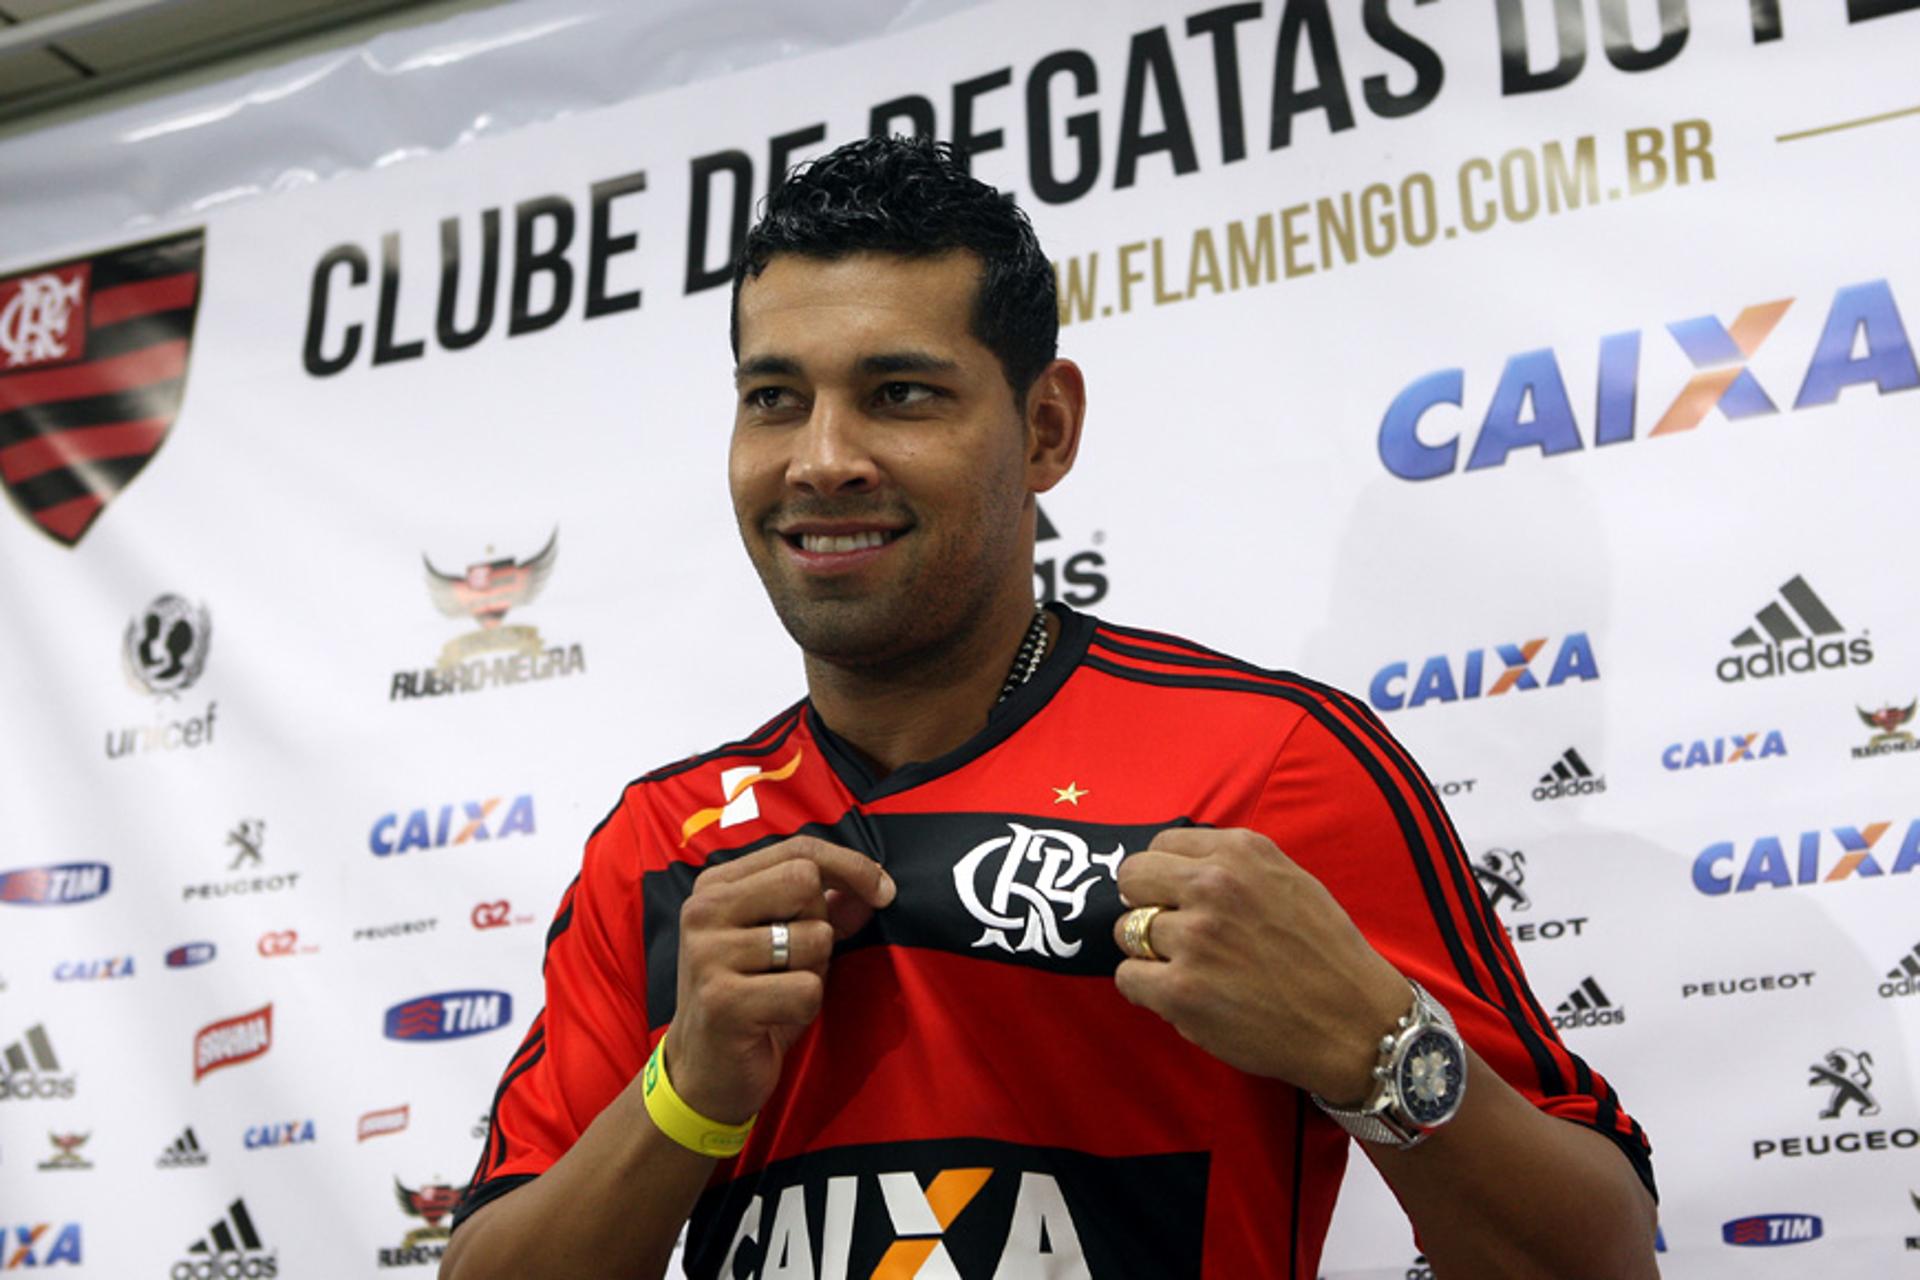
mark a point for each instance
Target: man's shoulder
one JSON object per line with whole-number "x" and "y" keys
{"x": 1161, "y": 660}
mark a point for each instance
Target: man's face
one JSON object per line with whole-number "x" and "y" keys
{"x": 878, "y": 459}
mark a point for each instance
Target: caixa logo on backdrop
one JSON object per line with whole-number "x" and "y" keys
{"x": 1530, "y": 407}
{"x": 1731, "y": 749}
{"x": 448, "y": 1015}
{"x": 61, "y": 885}
{"x": 1818, "y": 857}
{"x": 1489, "y": 672}
{"x": 39, "y": 1244}
{"x": 494, "y": 818}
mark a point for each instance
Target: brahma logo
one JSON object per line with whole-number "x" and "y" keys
{"x": 450, "y": 824}
{"x": 93, "y": 364}
{"x": 738, "y": 803}
{"x": 1531, "y": 408}
{"x": 1731, "y": 749}
{"x": 375, "y": 1123}
{"x": 1766, "y": 861}
{"x": 56, "y": 886}
{"x": 232, "y": 1041}
{"x": 189, "y": 954}
{"x": 1771, "y": 1229}
{"x": 1438, "y": 682}
{"x": 449, "y": 1015}
{"x": 39, "y": 1244}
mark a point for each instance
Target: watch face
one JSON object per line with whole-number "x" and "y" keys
{"x": 1431, "y": 1074}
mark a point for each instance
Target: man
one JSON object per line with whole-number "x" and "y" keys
{"x": 1019, "y": 947}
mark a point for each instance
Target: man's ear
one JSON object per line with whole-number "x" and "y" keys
{"x": 1056, "y": 407}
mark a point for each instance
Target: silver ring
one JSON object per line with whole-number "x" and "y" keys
{"x": 782, "y": 945}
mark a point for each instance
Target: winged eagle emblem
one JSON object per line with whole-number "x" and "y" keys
{"x": 432, "y": 1202}
{"x": 1887, "y": 721}
{"x": 491, "y": 587}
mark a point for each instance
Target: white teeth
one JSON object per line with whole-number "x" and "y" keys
{"x": 834, "y": 542}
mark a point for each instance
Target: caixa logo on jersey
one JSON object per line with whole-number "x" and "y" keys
{"x": 958, "y": 1208}
{"x": 1489, "y": 672}
{"x": 494, "y": 818}
{"x": 61, "y": 885}
{"x": 1861, "y": 343}
{"x": 449, "y": 1015}
{"x": 1813, "y": 857}
{"x": 1767, "y": 1229}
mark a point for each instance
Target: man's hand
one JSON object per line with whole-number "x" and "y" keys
{"x": 1259, "y": 965}
{"x": 736, "y": 1015}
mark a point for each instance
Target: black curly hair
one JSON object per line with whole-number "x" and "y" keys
{"x": 914, "y": 197}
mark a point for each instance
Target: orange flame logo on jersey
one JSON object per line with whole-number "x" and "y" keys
{"x": 738, "y": 791}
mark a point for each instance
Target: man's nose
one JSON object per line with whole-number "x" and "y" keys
{"x": 831, "y": 453}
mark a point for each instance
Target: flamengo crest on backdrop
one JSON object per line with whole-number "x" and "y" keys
{"x": 93, "y": 365}
{"x": 495, "y": 655}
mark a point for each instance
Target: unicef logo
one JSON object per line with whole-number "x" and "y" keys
{"x": 165, "y": 646}
{"x": 1027, "y": 885}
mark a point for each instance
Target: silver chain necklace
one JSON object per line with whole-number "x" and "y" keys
{"x": 1026, "y": 660}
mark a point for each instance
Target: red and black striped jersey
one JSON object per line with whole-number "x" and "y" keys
{"x": 976, "y": 1098}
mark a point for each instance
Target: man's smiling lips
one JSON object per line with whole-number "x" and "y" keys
{"x": 838, "y": 546}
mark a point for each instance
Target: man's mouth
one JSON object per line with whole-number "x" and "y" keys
{"x": 836, "y": 543}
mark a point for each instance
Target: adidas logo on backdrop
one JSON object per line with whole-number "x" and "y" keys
{"x": 1588, "y": 1006}
{"x": 1569, "y": 777}
{"x": 184, "y": 1153}
{"x": 28, "y": 1067}
{"x": 231, "y": 1250}
{"x": 1800, "y": 637}
{"x": 1903, "y": 979}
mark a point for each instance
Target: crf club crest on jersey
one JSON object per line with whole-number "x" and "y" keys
{"x": 93, "y": 364}
{"x": 964, "y": 1210}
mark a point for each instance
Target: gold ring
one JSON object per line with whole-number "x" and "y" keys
{"x": 1136, "y": 933}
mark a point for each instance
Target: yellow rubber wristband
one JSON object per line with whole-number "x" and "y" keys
{"x": 681, "y": 1122}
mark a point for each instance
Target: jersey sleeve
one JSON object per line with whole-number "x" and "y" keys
{"x": 1347, "y": 802}
{"x": 591, "y": 1039}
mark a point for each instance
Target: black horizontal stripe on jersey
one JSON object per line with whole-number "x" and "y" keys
{"x": 1488, "y": 935}
{"x": 1223, "y": 680}
{"x": 100, "y": 478}
{"x": 154, "y": 400}
{"x": 927, "y": 854}
{"x": 749, "y": 747}
{"x": 137, "y": 264}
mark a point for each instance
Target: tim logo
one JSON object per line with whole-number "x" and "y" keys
{"x": 451, "y": 824}
{"x": 1847, "y": 1076}
{"x": 1510, "y": 671}
{"x": 449, "y": 1015}
{"x": 189, "y": 954}
{"x": 39, "y": 1244}
{"x": 1028, "y": 886}
{"x": 1501, "y": 872}
{"x": 1531, "y": 408}
{"x": 738, "y": 803}
{"x": 1768, "y": 861}
{"x": 1771, "y": 1229}
{"x": 232, "y": 1041}
{"x": 56, "y": 886}
{"x": 93, "y": 364}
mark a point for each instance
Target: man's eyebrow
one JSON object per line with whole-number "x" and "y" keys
{"x": 766, "y": 367}
{"x": 907, "y": 362}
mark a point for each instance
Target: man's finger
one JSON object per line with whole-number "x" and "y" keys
{"x": 1162, "y": 932}
{"x": 776, "y": 999}
{"x": 847, "y": 913}
{"x": 1155, "y": 878}
{"x": 750, "y": 950}
{"x": 840, "y": 867}
{"x": 1144, "y": 982}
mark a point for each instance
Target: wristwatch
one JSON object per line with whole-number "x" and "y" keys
{"x": 1418, "y": 1084}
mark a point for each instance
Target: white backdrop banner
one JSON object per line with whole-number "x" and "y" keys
{"x": 1531, "y": 369}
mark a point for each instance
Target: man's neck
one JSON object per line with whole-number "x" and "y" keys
{"x": 922, "y": 713}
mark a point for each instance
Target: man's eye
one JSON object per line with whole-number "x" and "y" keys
{"x": 765, "y": 397}
{"x": 905, "y": 393}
